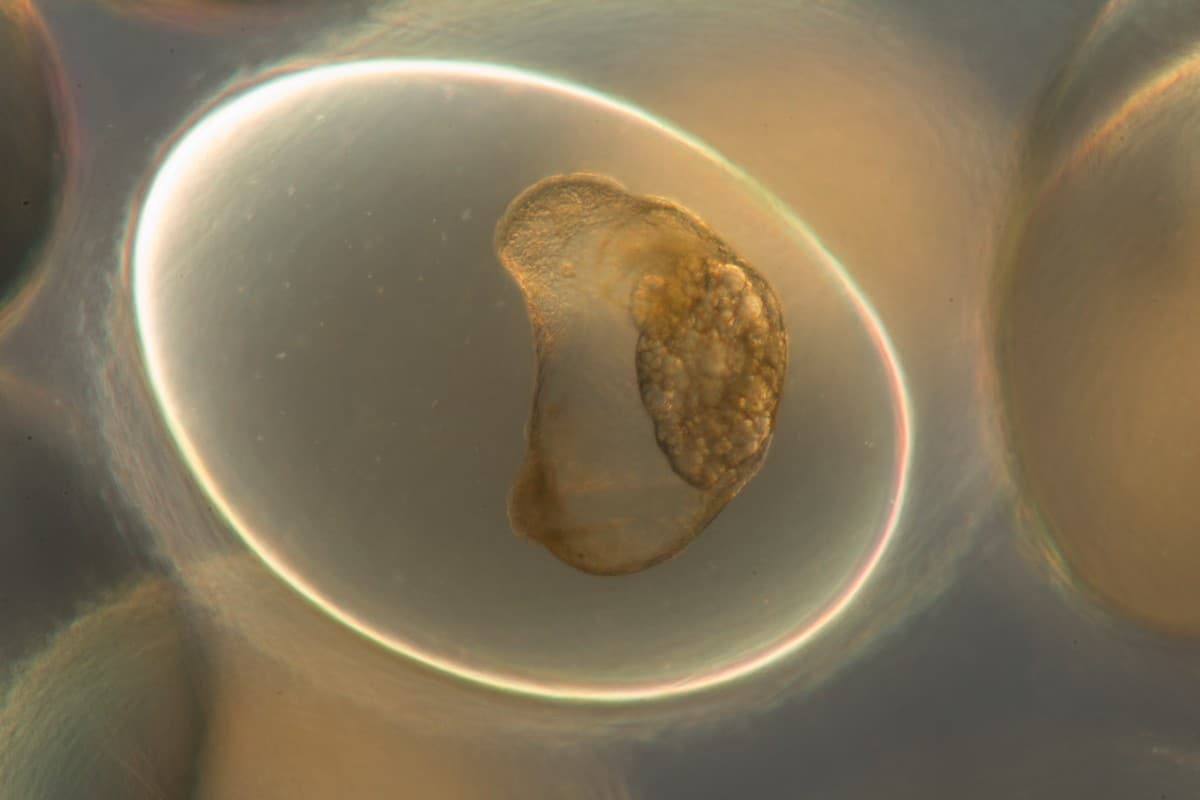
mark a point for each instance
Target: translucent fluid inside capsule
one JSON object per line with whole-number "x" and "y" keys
{"x": 660, "y": 362}
{"x": 347, "y": 371}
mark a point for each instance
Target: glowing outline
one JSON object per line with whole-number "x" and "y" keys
{"x": 230, "y": 115}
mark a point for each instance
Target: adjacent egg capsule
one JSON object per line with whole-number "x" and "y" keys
{"x": 660, "y": 358}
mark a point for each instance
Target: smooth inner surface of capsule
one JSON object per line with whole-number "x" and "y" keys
{"x": 639, "y": 295}
{"x": 346, "y": 371}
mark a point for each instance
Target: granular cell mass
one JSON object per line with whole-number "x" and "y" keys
{"x": 660, "y": 363}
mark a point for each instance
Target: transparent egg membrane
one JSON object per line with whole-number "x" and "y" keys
{"x": 349, "y": 371}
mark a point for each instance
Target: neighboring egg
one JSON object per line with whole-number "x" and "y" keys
{"x": 32, "y": 145}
